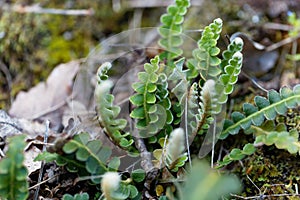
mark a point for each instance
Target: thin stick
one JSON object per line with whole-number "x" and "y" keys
{"x": 36, "y": 9}
{"x": 281, "y": 43}
{"x": 155, "y": 3}
{"x": 36, "y": 194}
{"x": 42, "y": 182}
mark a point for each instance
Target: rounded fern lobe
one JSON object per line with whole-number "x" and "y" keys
{"x": 218, "y": 21}
{"x": 238, "y": 41}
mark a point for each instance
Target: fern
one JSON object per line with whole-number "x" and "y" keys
{"x": 208, "y": 103}
{"x": 179, "y": 75}
{"x": 266, "y": 108}
{"x": 237, "y": 154}
{"x": 194, "y": 114}
{"x": 102, "y": 72}
{"x": 107, "y": 112}
{"x": 13, "y": 174}
{"x": 205, "y": 59}
{"x": 171, "y": 30}
{"x": 235, "y": 45}
{"x": 172, "y": 155}
{"x": 270, "y": 134}
{"x": 231, "y": 65}
{"x": 151, "y": 111}
{"x": 83, "y": 196}
{"x": 198, "y": 115}
{"x": 84, "y": 156}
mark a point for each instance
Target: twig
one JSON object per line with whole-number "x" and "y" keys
{"x": 155, "y": 3}
{"x": 281, "y": 43}
{"x": 146, "y": 163}
{"x": 39, "y": 10}
{"x": 277, "y": 26}
{"x": 36, "y": 194}
{"x": 42, "y": 182}
{"x": 264, "y": 196}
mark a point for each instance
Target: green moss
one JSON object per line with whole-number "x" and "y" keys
{"x": 273, "y": 171}
{"x": 33, "y": 44}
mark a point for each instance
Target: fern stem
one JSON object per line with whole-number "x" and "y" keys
{"x": 146, "y": 163}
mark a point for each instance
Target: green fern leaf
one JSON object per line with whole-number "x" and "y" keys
{"x": 231, "y": 65}
{"x": 237, "y": 154}
{"x": 13, "y": 174}
{"x": 87, "y": 156}
{"x": 107, "y": 114}
{"x": 171, "y": 30}
{"x": 264, "y": 109}
{"x": 102, "y": 72}
{"x": 235, "y": 46}
{"x": 205, "y": 57}
{"x": 83, "y": 196}
{"x": 282, "y": 140}
{"x": 269, "y": 133}
{"x": 152, "y": 105}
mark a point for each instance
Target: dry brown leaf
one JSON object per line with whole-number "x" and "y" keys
{"x": 44, "y": 101}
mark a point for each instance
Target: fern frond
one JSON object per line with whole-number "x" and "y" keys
{"x": 237, "y": 154}
{"x": 208, "y": 103}
{"x": 270, "y": 134}
{"x": 180, "y": 76}
{"x": 265, "y": 108}
{"x": 193, "y": 116}
{"x": 235, "y": 45}
{"x": 82, "y": 196}
{"x": 107, "y": 116}
{"x": 171, "y": 30}
{"x": 151, "y": 100}
{"x": 205, "y": 56}
{"x": 102, "y": 72}
{"x": 282, "y": 140}
{"x": 231, "y": 64}
{"x": 13, "y": 173}
{"x": 82, "y": 154}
